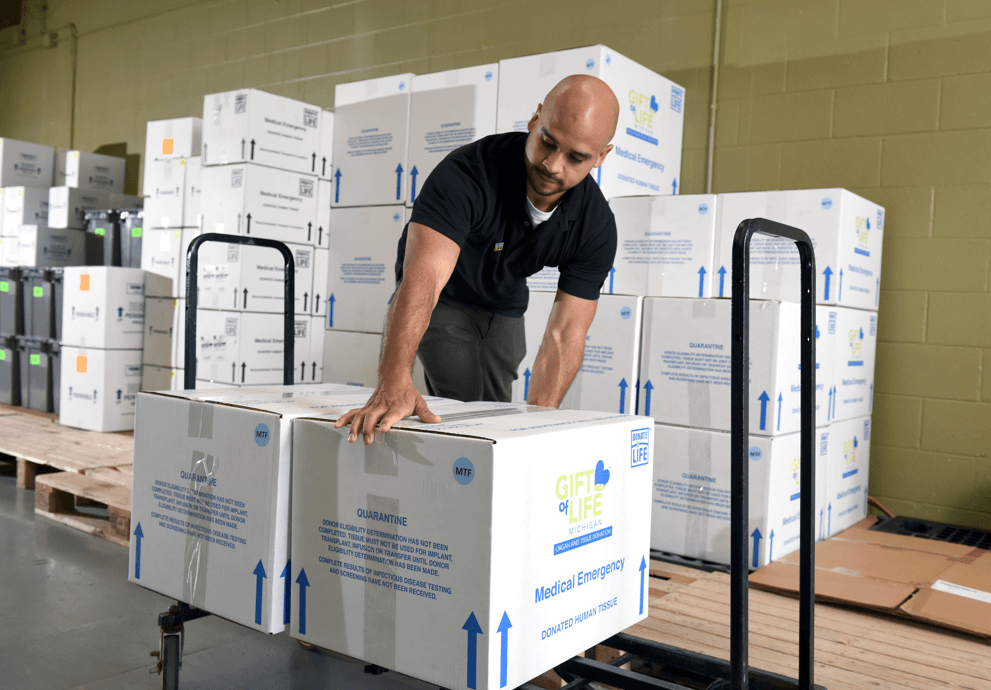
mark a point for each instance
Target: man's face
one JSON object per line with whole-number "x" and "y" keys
{"x": 559, "y": 154}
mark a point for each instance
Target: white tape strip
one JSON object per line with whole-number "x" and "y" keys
{"x": 960, "y": 590}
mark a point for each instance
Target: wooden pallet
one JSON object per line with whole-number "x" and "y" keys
{"x": 57, "y": 497}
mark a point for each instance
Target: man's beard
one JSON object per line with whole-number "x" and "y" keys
{"x": 535, "y": 178}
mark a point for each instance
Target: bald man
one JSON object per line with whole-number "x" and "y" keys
{"x": 492, "y": 213}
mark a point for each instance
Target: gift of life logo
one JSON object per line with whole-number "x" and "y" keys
{"x": 796, "y": 472}
{"x": 850, "y": 451}
{"x": 580, "y": 493}
{"x": 643, "y": 107}
{"x": 863, "y": 231}
{"x": 856, "y": 342}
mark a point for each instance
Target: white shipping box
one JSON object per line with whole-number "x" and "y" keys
{"x": 848, "y": 474}
{"x": 317, "y": 336}
{"x": 99, "y": 388}
{"x": 260, "y": 202}
{"x": 23, "y": 206}
{"x": 325, "y": 170}
{"x": 432, "y": 523}
{"x": 685, "y": 364}
{"x": 647, "y": 154}
{"x": 45, "y": 247}
{"x": 362, "y": 276}
{"x": 66, "y": 206}
{"x": 168, "y": 140}
{"x": 164, "y": 252}
{"x": 692, "y": 489}
{"x": 250, "y": 278}
{"x": 216, "y": 339}
{"x": 84, "y": 170}
{"x": 371, "y": 130}
{"x": 353, "y": 358}
{"x": 611, "y": 366}
{"x": 251, "y": 125}
{"x": 10, "y": 253}
{"x": 174, "y": 194}
{"x": 155, "y": 378}
{"x": 321, "y": 272}
{"x": 125, "y": 201}
{"x": 856, "y": 355}
{"x": 325, "y": 192}
{"x": 104, "y": 307}
{"x": 26, "y": 164}
{"x": 846, "y": 232}
{"x": 665, "y": 246}
{"x": 210, "y": 500}
{"x": 448, "y": 110}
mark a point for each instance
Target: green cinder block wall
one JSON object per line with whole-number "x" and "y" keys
{"x": 889, "y": 98}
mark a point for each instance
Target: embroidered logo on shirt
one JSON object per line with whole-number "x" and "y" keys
{"x": 498, "y": 247}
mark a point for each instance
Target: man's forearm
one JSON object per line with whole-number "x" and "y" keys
{"x": 558, "y": 361}
{"x": 406, "y": 321}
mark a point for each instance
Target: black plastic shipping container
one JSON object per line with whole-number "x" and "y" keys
{"x": 40, "y": 364}
{"x": 104, "y": 248}
{"x": 131, "y": 228}
{"x": 10, "y": 371}
{"x": 42, "y": 293}
{"x": 11, "y": 305}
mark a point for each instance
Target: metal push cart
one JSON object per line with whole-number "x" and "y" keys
{"x": 580, "y": 672}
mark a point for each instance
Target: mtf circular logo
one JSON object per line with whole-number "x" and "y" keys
{"x": 464, "y": 471}
{"x": 261, "y": 435}
{"x": 756, "y": 453}
{"x": 395, "y": 217}
{"x": 488, "y": 76}
{"x": 827, "y": 204}
{"x": 703, "y": 209}
{"x": 625, "y": 313}
{"x": 402, "y": 85}
{"x": 590, "y": 64}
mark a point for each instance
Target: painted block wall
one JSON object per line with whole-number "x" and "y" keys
{"x": 889, "y": 99}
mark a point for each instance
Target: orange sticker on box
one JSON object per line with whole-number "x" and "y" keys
{"x": 168, "y": 146}
{"x": 84, "y": 282}
{"x": 81, "y": 364}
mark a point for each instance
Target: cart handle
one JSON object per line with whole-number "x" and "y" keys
{"x": 740, "y": 437}
{"x": 192, "y": 264}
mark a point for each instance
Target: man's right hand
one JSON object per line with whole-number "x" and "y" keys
{"x": 387, "y": 406}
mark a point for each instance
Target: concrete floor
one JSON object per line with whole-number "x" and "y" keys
{"x": 69, "y": 620}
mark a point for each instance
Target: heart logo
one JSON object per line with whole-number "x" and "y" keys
{"x": 653, "y": 104}
{"x": 601, "y": 475}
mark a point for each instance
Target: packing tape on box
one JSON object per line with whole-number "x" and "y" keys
{"x": 700, "y": 497}
{"x": 700, "y": 392}
{"x": 203, "y": 467}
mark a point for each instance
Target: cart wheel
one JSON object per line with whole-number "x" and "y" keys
{"x": 170, "y": 662}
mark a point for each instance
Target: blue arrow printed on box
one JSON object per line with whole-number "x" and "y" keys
{"x": 474, "y": 630}
{"x": 504, "y": 626}
{"x": 259, "y": 573}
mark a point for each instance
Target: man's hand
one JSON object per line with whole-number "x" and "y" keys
{"x": 387, "y": 406}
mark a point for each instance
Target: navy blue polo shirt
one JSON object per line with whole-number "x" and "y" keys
{"x": 476, "y": 197}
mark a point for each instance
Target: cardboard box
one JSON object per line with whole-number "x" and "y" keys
{"x": 325, "y": 193}
{"x": 45, "y": 247}
{"x": 353, "y": 358}
{"x": 250, "y": 351}
{"x": 155, "y": 378}
{"x": 104, "y": 307}
{"x": 84, "y": 170}
{"x": 371, "y": 130}
{"x": 174, "y": 194}
{"x": 692, "y": 488}
{"x": 125, "y": 201}
{"x": 318, "y": 333}
{"x": 211, "y": 492}
{"x": 23, "y": 206}
{"x": 362, "y": 275}
{"x": 10, "y": 252}
{"x": 647, "y": 154}
{"x": 665, "y": 246}
{"x": 846, "y": 231}
{"x": 434, "y": 524}
{"x": 448, "y": 110}
{"x": 66, "y": 206}
{"x": 321, "y": 274}
{"x": 848, "y": 474}
{"x": 166, "y": 141}
{"x": 856, "y": 354}
{"x": 325, "y": 170}
{"x": 685, "y": 364}
{"x": 164, "y": 336}
{"x": 164, "y": 252}
{"x": 610, "y": 369}
{"x": 248, "y": 278}
{"x": 98, "y": 388}
{"x": 935, "y": 582}
{"x": 26, "y": 164}
{"x": 253, "y": 126}
{"x": 261, "y": 202}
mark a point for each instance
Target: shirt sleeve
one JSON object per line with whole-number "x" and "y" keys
{"x": 584, "y": 275}
{"x": 451, "y": 201}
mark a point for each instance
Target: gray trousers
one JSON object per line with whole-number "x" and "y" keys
{"x": 469, "y": 354}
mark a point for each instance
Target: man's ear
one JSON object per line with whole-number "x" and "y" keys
{"x": 602, "y": 156}
{"x": 533, "y": 120}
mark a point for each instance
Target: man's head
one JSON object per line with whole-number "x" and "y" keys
{"x": 569, "y": 135}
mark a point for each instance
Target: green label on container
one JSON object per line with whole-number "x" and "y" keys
{"x": 4, "y": 286}
{"x": 3, "y": 355}
{"x": 100, "y": 231}
{"x": 135, "y": 232}
{"x": 35, "y": 359}
{"x": 38, "y": 291}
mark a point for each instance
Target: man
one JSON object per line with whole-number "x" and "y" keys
{"x": 484, "y": 221}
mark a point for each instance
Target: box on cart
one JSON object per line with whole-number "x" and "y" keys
{"x": 250, "y": 278}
